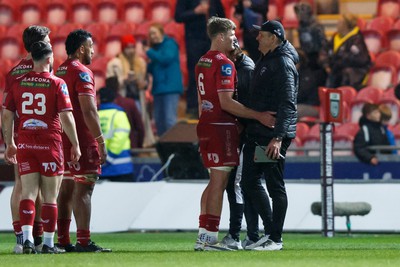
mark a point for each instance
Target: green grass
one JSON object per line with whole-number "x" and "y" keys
{"x": 176, "y": 249}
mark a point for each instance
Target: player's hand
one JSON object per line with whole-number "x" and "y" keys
{"x": 10, "y": 155}
{"x": 267, "y": 118}
{"x": 102, "y": 152}
{"x": 75, "y": 154}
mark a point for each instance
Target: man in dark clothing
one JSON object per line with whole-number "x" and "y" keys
{"x": 371, "y": 133}
{"x": 274, "y": 88}
{"x": 194, "y": 14}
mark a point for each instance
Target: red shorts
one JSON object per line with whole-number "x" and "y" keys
{"x": 89, "y": 163}
{"x": 36, "y": 155}
{"x": 219, "y": 145}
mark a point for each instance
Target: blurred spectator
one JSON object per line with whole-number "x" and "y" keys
{"x": 194, "y": 14}
{"x": 249, "y": 13}
{"x": 165, "y": 69}
{"x": 346, "y": 58}
{"x": 371, "y": 133}
{"x": 135, "y": 118}
{"x": 116, "y": 128}
{"x": 311, "y": 33}
{"x": 397, "y": 91}
{"x": 386, "y": 115}
{"x": 129, "y": 68}
{"x": 309, "y": 80}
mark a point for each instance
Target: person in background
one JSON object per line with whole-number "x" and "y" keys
{"x": 45, "y": 110}
{"x": 130, "y": 69}
{"x": 237, "y": 204}
{"x": 116, "y": 128}
{"x": 250, "y": 12}
{"x": 194, "y": 15}
{"x": 135, "y": 118}
{"x": 164, "y": 67}
{"x": 346, "y": 58}
{"x": 386, "y": 115}
{"x": 371, "y": 133}
{"x": 31, "y": 35}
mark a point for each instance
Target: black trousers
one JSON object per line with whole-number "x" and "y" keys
{"x": 253, "y": 174}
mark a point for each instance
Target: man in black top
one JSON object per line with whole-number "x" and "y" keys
{"x": 274, "y": 88}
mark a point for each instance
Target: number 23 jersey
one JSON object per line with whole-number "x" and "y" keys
{"x": 38, "y": 98}
{"x": 215, "y": 73}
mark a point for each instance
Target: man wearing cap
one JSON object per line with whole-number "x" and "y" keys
{"x": 273, "y": 88}
{"x": 44, "y": 109}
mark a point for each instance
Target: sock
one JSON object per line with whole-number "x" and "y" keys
{"x": 83, "y": 237}
{"x": 202, "y": 224}
{"x": 48, "y": 239}
{"x": 18, "y": 232}
{"x": 49, "y": 219}
{"x": 63, "y": 231}
{"x": 212, "y": 237}
{"x": 212, "y": 228}
{"x": 27, "y": 216}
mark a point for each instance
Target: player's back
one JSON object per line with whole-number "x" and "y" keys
{"x": 215, "y": 73}
{"x": 80, "y": 82}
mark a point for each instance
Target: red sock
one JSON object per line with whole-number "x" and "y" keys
{"x": 17, "y": 228}
{"x": 27, "y": 212}
{"x": 37, "y": 228}
{"x": 63, "y": 231}
{"x": 212, "y": 223}
{"x": 203, "y": 221}
{"x": 49, "y": 217}
{"x": 83, "y": 237}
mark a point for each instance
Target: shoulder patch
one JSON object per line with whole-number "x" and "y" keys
{"x": 226, "y": 70}
{"x": 64, "y": 89}
{"x": 85, "y": 77}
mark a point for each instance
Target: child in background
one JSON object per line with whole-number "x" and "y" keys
{"x": 386, "y": 115}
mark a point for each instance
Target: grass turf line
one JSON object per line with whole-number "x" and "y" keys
{"x": 176, "y": 249}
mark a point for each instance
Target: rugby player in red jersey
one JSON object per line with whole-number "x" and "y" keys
{"x": 79, "y": 179}
{"x": 217, "y": 129}
{"x": 31, "y": 35}
{"x": 42, "y": 102}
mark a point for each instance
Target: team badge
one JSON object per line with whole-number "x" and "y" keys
{"x": 226, "y": 70}
{"x": 85, "y": 77}
{"x": 64, "y": 89}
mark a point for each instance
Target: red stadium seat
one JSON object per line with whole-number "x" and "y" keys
{"x": 383, "y": 76}
{"x": 348, "y": 93}
{"x": 289, "y": 19}
{"x": 11, "y": 44}
{"x": 312, "y": 140}
{"x": 296, "y": 144}
{"x": 366, "y": 95}
{"x": 99, "y": 32}
{"x": 58, "y": 40}
{"x": 31, "y": 11}
{"x": 134, "y": 11}
{"x": 393, "y": 36}
{"x": 107, "y": 11}
{"x": 9, "y": 12}
{"x": 113, "y": 39}
{"x": 375, "y": 33}
{"x": 99, "y": 67}
{"x": 302, "y": 129}
{"x": 82, "y": 12}
{"x": 57, "y": 12}
{"x": 275, "y": 10}
{"x": 388, "y": 57}
{"x": 176, "y": 31}
{"x": 389, "y": 8}
{"x": 160, "y": 11}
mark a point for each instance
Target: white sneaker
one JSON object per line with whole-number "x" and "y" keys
{"x": 216, "y": 247}
{"x": 246, "y": 242}
{"x": 201, "y": 240}
{"x": 270, "y": 246}
{"x": 231, "y": 243}
{"x": 260, "y": 241}
{"x": 18, "y": 249}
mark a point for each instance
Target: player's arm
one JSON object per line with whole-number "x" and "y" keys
{"x": 232, "y": 106}
{"x": 8, "y": 129}
{"x": 91, "y": 117}
{"x": 68, "y": 124}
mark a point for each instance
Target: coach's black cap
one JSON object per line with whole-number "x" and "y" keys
{"x": 272, "y": 26}
{"x": 40, "y": 49}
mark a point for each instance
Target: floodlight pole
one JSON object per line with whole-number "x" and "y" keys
{"x": 326, "y": 160}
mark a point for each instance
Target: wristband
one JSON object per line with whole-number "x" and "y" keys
{"x": 98, "y": 136}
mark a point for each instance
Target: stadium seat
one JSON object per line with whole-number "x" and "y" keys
{"x": 176, "y": 31}
{"x": 390, "y": 57}
{"x": 99, "y": 67}
{"x": 8, "y": 12}
{"x": 383, "y": 76}
{"x": 58, "y": 40}
{"x": 275, "y": 10}
{"x": 134, "y": 11}
{"x": 99, "y": 32}
{"x": 57, "y": 12}
{"x": 393, "y": 36}
{"x": 375, "y": 33}
{"x": 11, "y": 44}
{"x": 31, "y": 12}
{"x": 389, "y": 8}
{"x": 289, "y": 19}
{"x": 107, "y": 11}
{"x": 112, "y": 40}
{"x": 160, "y": 11}
{"x": 302, "y": 129}
{"x": 82, "y": 12}
{"x": 312, "y": 140}
{"x": 296, "y": 144}
{"x": 348, "y": 93}
{"x": 141, "y": 36}
{"x": 365, "y": 95}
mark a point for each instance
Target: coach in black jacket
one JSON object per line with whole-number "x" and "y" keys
{"x": 273, "y": 88}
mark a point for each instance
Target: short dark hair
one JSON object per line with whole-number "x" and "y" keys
{"x": 112, "y": 83}
{"x": 75, "y": 39}
{"x": 216, "y": 25}
{"x": 107, "y": 95}
{"x": 368, "y": 108}
{"x": 33, "y": 34}
{"x": 40, "y": 50}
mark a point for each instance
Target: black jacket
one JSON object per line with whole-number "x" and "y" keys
{"x": 370, "y": 134}
{"x": 274, "y": 88}
{"x": 244, "y": 69}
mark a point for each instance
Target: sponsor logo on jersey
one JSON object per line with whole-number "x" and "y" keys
{"x": 226, "y": 70}
{"x": 206, "y": 105}
{"x": 33, "y": 146}
{"x": 36, "y": 82}
{"x": 64, "y": 89}
{"x": 85, "y": 77}
{"x": 224, "y": 81}
{"x": 27, "y": 211}
{"x": 34, "y": 124}
{"x": 21, "y": 69}
{"x": 62, "y": 70}
{"x": 205, "y": 62}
